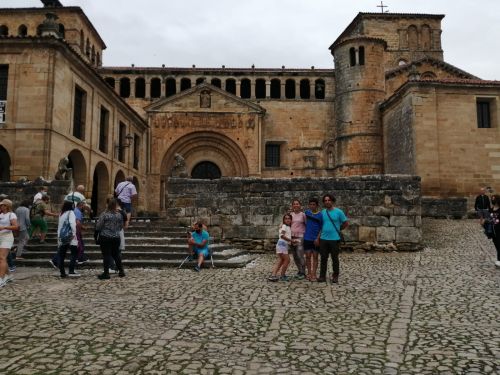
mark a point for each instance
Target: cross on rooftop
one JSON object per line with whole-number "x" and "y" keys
{"x": 382, "y": 6}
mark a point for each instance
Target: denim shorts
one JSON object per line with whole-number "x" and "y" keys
{"x": 127, "y": 207}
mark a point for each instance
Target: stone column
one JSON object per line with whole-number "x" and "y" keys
{"x": 177, "y": 85}
{"x": 147, "y": 94}
{"x": 163, "y": 84}
{"x": 283, "y": 88}
{"x": 297, "y": 89}
{"x": 117, "y": 85}
{"x": 132, "y": 88}
{"x": 252, "y": 89}
{"x": 312, "y": 91}
{"x": 238, "y": 89}
{"x": 268, "y": 89}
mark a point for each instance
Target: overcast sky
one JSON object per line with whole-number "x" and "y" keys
{"x": 272, "y": 33}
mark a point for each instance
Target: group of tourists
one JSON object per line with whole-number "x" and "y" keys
{"x": 308, "y": 234}
{"x": 29, "y": 221}
{"x": 488, "y": 212}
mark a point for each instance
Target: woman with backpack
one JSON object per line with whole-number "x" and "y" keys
{"x": 495, "y": 218}
{"x": 66, "y": 239}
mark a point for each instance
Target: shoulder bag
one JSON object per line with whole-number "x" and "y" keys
{"x": 342, "y": 239}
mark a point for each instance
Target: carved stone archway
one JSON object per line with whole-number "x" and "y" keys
{"x": 100, "y": 187}
{"x": 79, "y": 165}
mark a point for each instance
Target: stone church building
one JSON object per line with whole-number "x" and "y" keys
{"x": 390, "y": 105}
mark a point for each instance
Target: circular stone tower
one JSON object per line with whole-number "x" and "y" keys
{"x": 359, "y": 88}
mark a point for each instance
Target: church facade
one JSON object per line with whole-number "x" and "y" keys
{"x": 390, "y": 105}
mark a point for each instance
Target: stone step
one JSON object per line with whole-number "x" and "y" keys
{"x": 89, "y": 239}
{"x": 132, "y": 247}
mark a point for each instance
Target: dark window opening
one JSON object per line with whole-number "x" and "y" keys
{"x": 273, "y": 155}
{"x": 206, "y": 170}
{"x": 260, "y": 88}
{"x": 231, "y": 86}
{"x": 245, "y": 89}
{"x": 140, "y": 88}
{"x": 103, "y": 130}
{"x": 82, "y": 42}
{"x": 137, "y": 144}
{"x": 80, "y": 106}
{"x": 22, "y": 30}
{"x": 305, "y": 89}
{"x": 62, "y": 31}
{"x": 110, "y": 81}
{"x": 39, "y": 30}
{"x": 98, "y": 59}
{"x": 199, "y": 81}
{"x": 361, "y": 56}
{"x": 290, "y": 89}
{"x": 216, "y": 82}
{"x": 87, "y": 48}
{"x": 483, "y": 114}
{"x": 275, "y": 89}
{"x": 319, "y": 89}
{"x": 125, "y": 87}
{"x": 352, "y": 56}
{"x": 185, "y": 84}
{"x": 4, "y": 80}
{"x": 4, "y": 30}
{"x": 155, "y": 87}
{"x": 170, "y": 88}
{"x": 121, "y": 142}
{"x": 92, "y": 55}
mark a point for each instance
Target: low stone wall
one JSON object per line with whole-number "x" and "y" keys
{"x": 444, "y": 208}
{"x": 382, "y": 209}
{"x": 19, "y": 191}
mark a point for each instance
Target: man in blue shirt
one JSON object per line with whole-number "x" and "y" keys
{"x": 198, "y": 244}
{"x": 334, "y": 220}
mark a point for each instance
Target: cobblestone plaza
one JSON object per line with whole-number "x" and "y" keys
{"x": 429, "y": 312}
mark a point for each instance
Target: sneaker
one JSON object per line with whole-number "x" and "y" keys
{"x": 63, "y": 275}
{"x": 7, "y": 279}
{"x": 103, "y": 276}
{"x": 300, "y": 276}
{"x": 273, "y": 278}
{"x": 53, "y": 264}
{"x": 497, "y": 263}
{"x": 335, "y": 279}
{"x": 321, "y": 280}
{"x": 121, "y": 274}
{"x": 74, "y": 274}
{"x": 2, "y": 283}
{"x": 12, "y": 269}
{"x": 112, "y": 271}
{"x": 197, "y": 268}
{"x": 284, "y": 278}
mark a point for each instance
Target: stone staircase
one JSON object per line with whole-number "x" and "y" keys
{"x": 150, "y": 243}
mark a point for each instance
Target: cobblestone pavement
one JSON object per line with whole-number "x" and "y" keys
{"x": 432, "y": 312}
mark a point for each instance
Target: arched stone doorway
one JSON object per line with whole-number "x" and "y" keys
{"x": 120, "y": 176}
{"x": 4, "y": 164}
{"x": 79, "y": 166}
{"x": 206, "y": 170}
{"x": 100, "y": 188}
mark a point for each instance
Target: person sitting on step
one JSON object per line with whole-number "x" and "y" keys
{"x": 198, "y": 244}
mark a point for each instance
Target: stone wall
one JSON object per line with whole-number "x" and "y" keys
{"x": 19, "y": 191}
{"x": 444, "y": 208}
{"x": 382, "y": 209}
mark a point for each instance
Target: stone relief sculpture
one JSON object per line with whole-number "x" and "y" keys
{"x": 205, "y": 100}
{"x": 63, "y": 172}
{"x": 179, "y": 169}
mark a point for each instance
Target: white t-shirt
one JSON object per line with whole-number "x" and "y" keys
{"x": 5, "y": 221}
{"x": 288, "y": 231}
{"x": 72, "y": 222}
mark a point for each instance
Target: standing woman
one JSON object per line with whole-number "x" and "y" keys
{"x": 495, "y": 216}
{"x": 67, "y": 214}
{"x": 109, "y": 225}
{"x": 8, "y": 223}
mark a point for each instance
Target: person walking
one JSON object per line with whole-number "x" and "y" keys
{"x": 8, "y": 223}
{"x": 334, "y": 220}
{"x": 298, "y": 228}
{"x": 314, "y": 223}
{"x": 23, "y": 219}
{"x": 109, "y": 225}
{"x": 67, "y": 217}
{"x": 125, "y": 192}
{"x": 40, "y": 211}
{"x": 495, "y": 217}
{"x": 482, "y": 205}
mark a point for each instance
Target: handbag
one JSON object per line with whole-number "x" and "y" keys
{"x": 342, "y": 239}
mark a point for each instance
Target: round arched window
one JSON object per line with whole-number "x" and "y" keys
{"x": 206, "y": 170}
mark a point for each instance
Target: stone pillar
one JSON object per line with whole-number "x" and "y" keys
{"x": 297, "y": 89}
{"x": 252, "y": 89}
{"x": 283, "y": 88}
{"x": 312, "y": 89}
{"x": 177, "y": 86}
{"x": 147, "y": 94}
{"x": 268, "y": 89}
{"x": 163, "y": 87}
{"x": 117, "y": 85}
{"x": 223, "y": 84}
{"x": 238, "y": 89}
{"x": 132, "y": 88}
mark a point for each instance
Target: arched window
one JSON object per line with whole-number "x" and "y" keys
{"x": 62, "y": 31}
{"x": 92, "y": 55}
{"x": 412, "y": 37}
{"x": 87, "y": 48}
{"x": 140, "y": 87}
{"x": 206, "y": 170}
{"x": 22, "y": 30}
{"x": 275, "y": 88}
{"x": 4, "y": 30}
{"x": 125, "y": 87}
{"x": 231, "y": 86}
{"x": 245, "y": 88}
{"x": 216, "y": 82}
{"x": 185, "y": 84}
{"x": 290, "y": 89}
{"x": 170, "y": 87}
{"x": 319, "y": 89}
{"x": 199, "y": 81}
{"x": 82, "y": 42}
{"x": 361, "y": 55}
{"x": 110, "y": 81}
{"x": 155, "y": 88}
{"x": 425, "y": 38}
{"x": 260, "y": 88}
{"x": 352, "y": 56}
{"x": 305, "y": 89}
